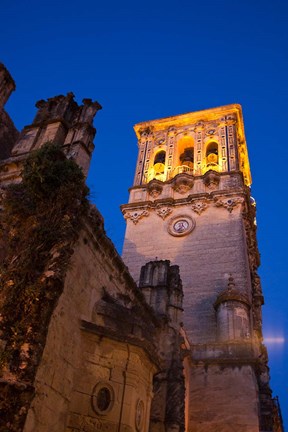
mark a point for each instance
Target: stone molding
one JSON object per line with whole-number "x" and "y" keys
{"x": 199, "y": 203}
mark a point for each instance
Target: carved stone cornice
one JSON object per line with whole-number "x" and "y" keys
{"x": 200, "y": 202}
{"x": 145, "y": 131}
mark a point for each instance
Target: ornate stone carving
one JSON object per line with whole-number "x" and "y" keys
{"x": 183, "y": 183}
{"x": 250, "y": 229}
{"x": 210, "y": 131}
{"x": 163, "y": 212}
{"x": 145, "y": 131}
{"x": 181, "y": 225}
{"x": 136, "y": 215}
{"x": 211, "y": 179}
{"x": 199, "y": 206}
{"x": 228, "y": 203}
{"x": 155, "y": 188}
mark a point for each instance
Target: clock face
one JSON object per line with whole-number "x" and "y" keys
{"x": 181, "y": 225}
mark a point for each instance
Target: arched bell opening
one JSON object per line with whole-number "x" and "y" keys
{"x": 212, "y": 158}
{"x": 158, "y": 169}
{"x": 185, "y": 156}
{"x": 160, "y": 157}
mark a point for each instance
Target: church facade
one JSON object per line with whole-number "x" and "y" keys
{"x": 167, "y": 339}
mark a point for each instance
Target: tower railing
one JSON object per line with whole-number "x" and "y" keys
{"x": 182, "y": 169}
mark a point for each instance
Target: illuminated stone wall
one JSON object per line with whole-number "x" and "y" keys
{"x": 207, "y": 255}
{"x": 116, "y": 352}
{"x": 194, "y": 208}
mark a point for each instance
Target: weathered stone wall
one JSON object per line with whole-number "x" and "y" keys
{"x": 223, "y": 399}
{"x": 214, "y": 249}
{"x": 221, "y": 383}
{"x": 74, "y": 360}
{"x": 8, "y": 134}
{"x": 128, "y": 373}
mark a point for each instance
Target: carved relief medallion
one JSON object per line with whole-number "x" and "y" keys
{"x": 181, "y": 225}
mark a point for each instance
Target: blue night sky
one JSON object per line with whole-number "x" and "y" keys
{"x": 154, "y": 59}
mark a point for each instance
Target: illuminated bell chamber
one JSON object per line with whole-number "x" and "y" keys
{"x": 212, "y": 158}
{"x": 159, "y": 168}
{"x": 186, "y": 158}
{"x": 160, "y": 158}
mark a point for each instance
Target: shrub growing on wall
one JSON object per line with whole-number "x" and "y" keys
{"x": 40, "y": 222}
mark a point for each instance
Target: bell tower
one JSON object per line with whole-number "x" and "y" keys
{"x": 191, "y": 204}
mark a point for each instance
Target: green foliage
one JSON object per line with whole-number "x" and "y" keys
{"x": 47, "y": 170}
{"x": 40, "y": 222}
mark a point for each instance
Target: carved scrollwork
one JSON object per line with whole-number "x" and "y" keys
{"x": 155, "y": 188}
{"x": 183, "y": 183}
{"x": 135, "y": 216}
{"x": 211, "y": 179}
{"x": 228, "y": 203}
{"x": 163, "y": 212}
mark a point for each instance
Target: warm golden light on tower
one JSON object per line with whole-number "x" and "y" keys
{"x": 193, "y": 143}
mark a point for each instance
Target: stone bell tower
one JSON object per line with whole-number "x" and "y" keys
{"x": 191, "y": 204}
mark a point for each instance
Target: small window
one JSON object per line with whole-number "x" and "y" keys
{"x": 102, "y": 398}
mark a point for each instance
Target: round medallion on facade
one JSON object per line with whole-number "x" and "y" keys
{"x": 139, "y": 415}
{"x": 102, "y": 398}
{"x": 181, "y": 225}
{"x": 210, "y": 131}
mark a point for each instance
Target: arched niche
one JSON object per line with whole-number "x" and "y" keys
{"x": 157, "y": 171}
{"x": 212, "y": 156}
{"x": 184, "y": 160}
